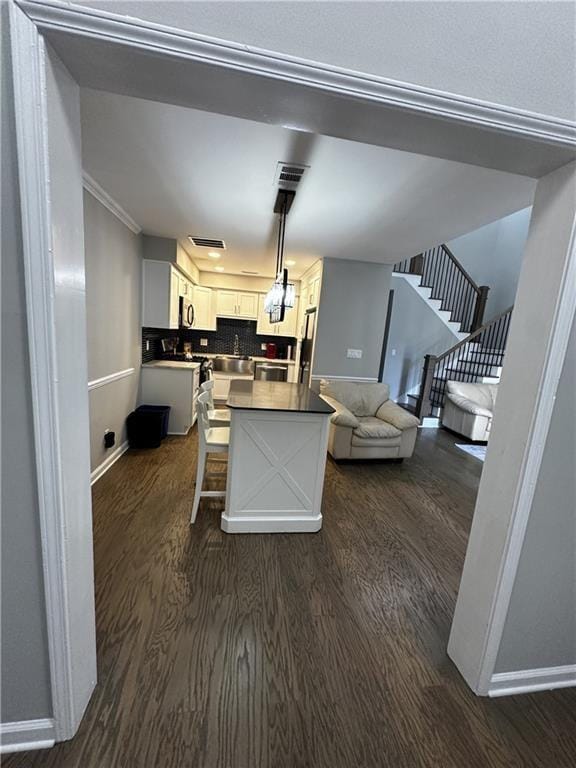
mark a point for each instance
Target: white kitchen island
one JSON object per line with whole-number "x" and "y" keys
{"x": 277, "y": 458}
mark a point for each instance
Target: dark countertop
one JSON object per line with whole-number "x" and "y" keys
{"x": 275, "y": 396}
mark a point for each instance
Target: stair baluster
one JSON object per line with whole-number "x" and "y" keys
{"x": 449, "y": 282}
{"x": 469, "y": 360}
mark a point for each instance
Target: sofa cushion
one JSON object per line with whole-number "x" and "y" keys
{"x": 376, "y": 442}
{"x": 397, "y": 416}
{"x": 469, "y": 406}
{"x": 482, "y": 394}
{"x": 342, "y": 417}
{"x": 360, "y": 399}
{"x": 373, "y": 428}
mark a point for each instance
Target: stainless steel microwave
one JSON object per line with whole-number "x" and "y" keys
{"x": 186, "y": 313}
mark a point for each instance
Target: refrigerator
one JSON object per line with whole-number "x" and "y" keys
{"x": 307, "y": 347}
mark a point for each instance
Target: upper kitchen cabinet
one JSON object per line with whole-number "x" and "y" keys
{"x": 204, "y": 310}
{"x": 240, "y": 304}
{"x": 160, "y": 294}
{"x": 288, "y": 327}
{"x": 310, "y": 285}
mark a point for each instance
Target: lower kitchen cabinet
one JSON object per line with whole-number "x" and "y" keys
{"x": 222, "y": 383}
{"x": 174, "y": 384}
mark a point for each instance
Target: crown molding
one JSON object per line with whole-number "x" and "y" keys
{"x": 105, "y": 26}
{"x": 92, "y": 186}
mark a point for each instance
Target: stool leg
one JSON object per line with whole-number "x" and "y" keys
{"x": 199, "y": 482}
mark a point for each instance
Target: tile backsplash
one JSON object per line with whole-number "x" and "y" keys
{"x": 220, "y": 341}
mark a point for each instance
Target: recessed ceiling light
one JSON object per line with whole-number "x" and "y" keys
{"x": 219, "y": 269}
{"x": 290, "y": 263}
{"x": 214, "y": 255}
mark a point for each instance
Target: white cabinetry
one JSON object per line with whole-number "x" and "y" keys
{"x": 204, "y": 314}
{"x": 237, "y": 304}
{"x": 186, "y": 287}
{"x": 160, "y": 294}
{"x": 176, "y": 385}
{"x": 310, "y": 285}
{"x": 222, "y": 383}
{"x": 287, "y": 327}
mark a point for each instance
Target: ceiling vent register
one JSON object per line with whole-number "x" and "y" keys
{"x": 289, "y": 175}
{"x": 206, "y": 242}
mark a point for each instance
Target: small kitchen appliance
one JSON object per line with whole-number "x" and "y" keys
{"x": 185, "y": 313}
{"x": 271, "y": 351}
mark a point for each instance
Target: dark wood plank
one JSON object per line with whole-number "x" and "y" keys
{"x": 294, "y": 651}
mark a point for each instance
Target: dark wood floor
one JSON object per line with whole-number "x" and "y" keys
{"x": 292, "y": 651}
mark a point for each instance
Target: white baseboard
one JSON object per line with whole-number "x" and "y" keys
{"x": 107, "y": 463}
{"x": 531, "y": 680}
{"x": 289, "y": 524}
{"x": 26, "y": 734}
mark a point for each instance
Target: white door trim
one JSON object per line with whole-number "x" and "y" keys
{"x": 28, "y": 55}
{"x": 56, "y": 15}
{"x": 28, "y": 19}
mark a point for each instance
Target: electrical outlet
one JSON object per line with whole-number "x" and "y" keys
{"x": 393, "y": 353}
{"x": 263, "y": 347}
{"x": 203, "y": 342}
{"x": 356, "y": 354}
{"x": 109, "y": 438}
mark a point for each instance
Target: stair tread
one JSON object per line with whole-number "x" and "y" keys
{"x": 407, "y": 407}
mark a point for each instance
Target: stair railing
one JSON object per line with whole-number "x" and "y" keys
{"x": 449, "y": 282}
{"x": 468, "y": 360}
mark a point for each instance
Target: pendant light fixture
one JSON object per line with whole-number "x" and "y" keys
{"x": 282, "y": 294}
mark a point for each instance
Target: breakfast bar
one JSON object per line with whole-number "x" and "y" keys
{"x": 277, "y": 458}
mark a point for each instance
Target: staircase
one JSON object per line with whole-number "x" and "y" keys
{"x": 450, "y": 284}
{"x": 478, "y": 357}
{"x": 479, "y": 353}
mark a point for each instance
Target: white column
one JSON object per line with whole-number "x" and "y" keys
{"x": 537, "y": 343}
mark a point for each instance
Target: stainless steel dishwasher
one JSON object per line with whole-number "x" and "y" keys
{"x": 271, "y": 372}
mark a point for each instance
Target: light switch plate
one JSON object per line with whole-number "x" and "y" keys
{"x": 354, "y": 353}
{"x": 263, "y": 347}
{"x": 203, "y": 342}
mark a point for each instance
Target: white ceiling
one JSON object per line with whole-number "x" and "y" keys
{"x": 179, "y": 171}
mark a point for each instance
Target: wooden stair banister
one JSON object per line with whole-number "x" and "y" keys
{"x": 449, "y": 282}
{"x": 491, "y": 338}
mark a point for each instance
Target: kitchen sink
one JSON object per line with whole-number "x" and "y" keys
{"x": 233, "y": 365}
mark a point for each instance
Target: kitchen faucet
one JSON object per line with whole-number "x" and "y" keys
{"x": 236, "y": 345}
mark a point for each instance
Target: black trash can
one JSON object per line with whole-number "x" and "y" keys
{"x": 147, "y": 426}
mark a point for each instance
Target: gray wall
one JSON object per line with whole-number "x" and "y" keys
{"x": 24, "y": 661}
{"x": 540, "y": 629}
{"x": 113, "y": 290}
{"x": 492, "y": 255}
{"x": 353, "y": 304}
{"x": 415, "y": 331}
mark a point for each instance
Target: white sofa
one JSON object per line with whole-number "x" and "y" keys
{"x": 468, "y": 409}
{"x": 366, "y": 424}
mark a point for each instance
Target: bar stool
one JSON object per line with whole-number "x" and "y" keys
{"x": 210, "y": 440}
{"x": 218, "y": 417}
